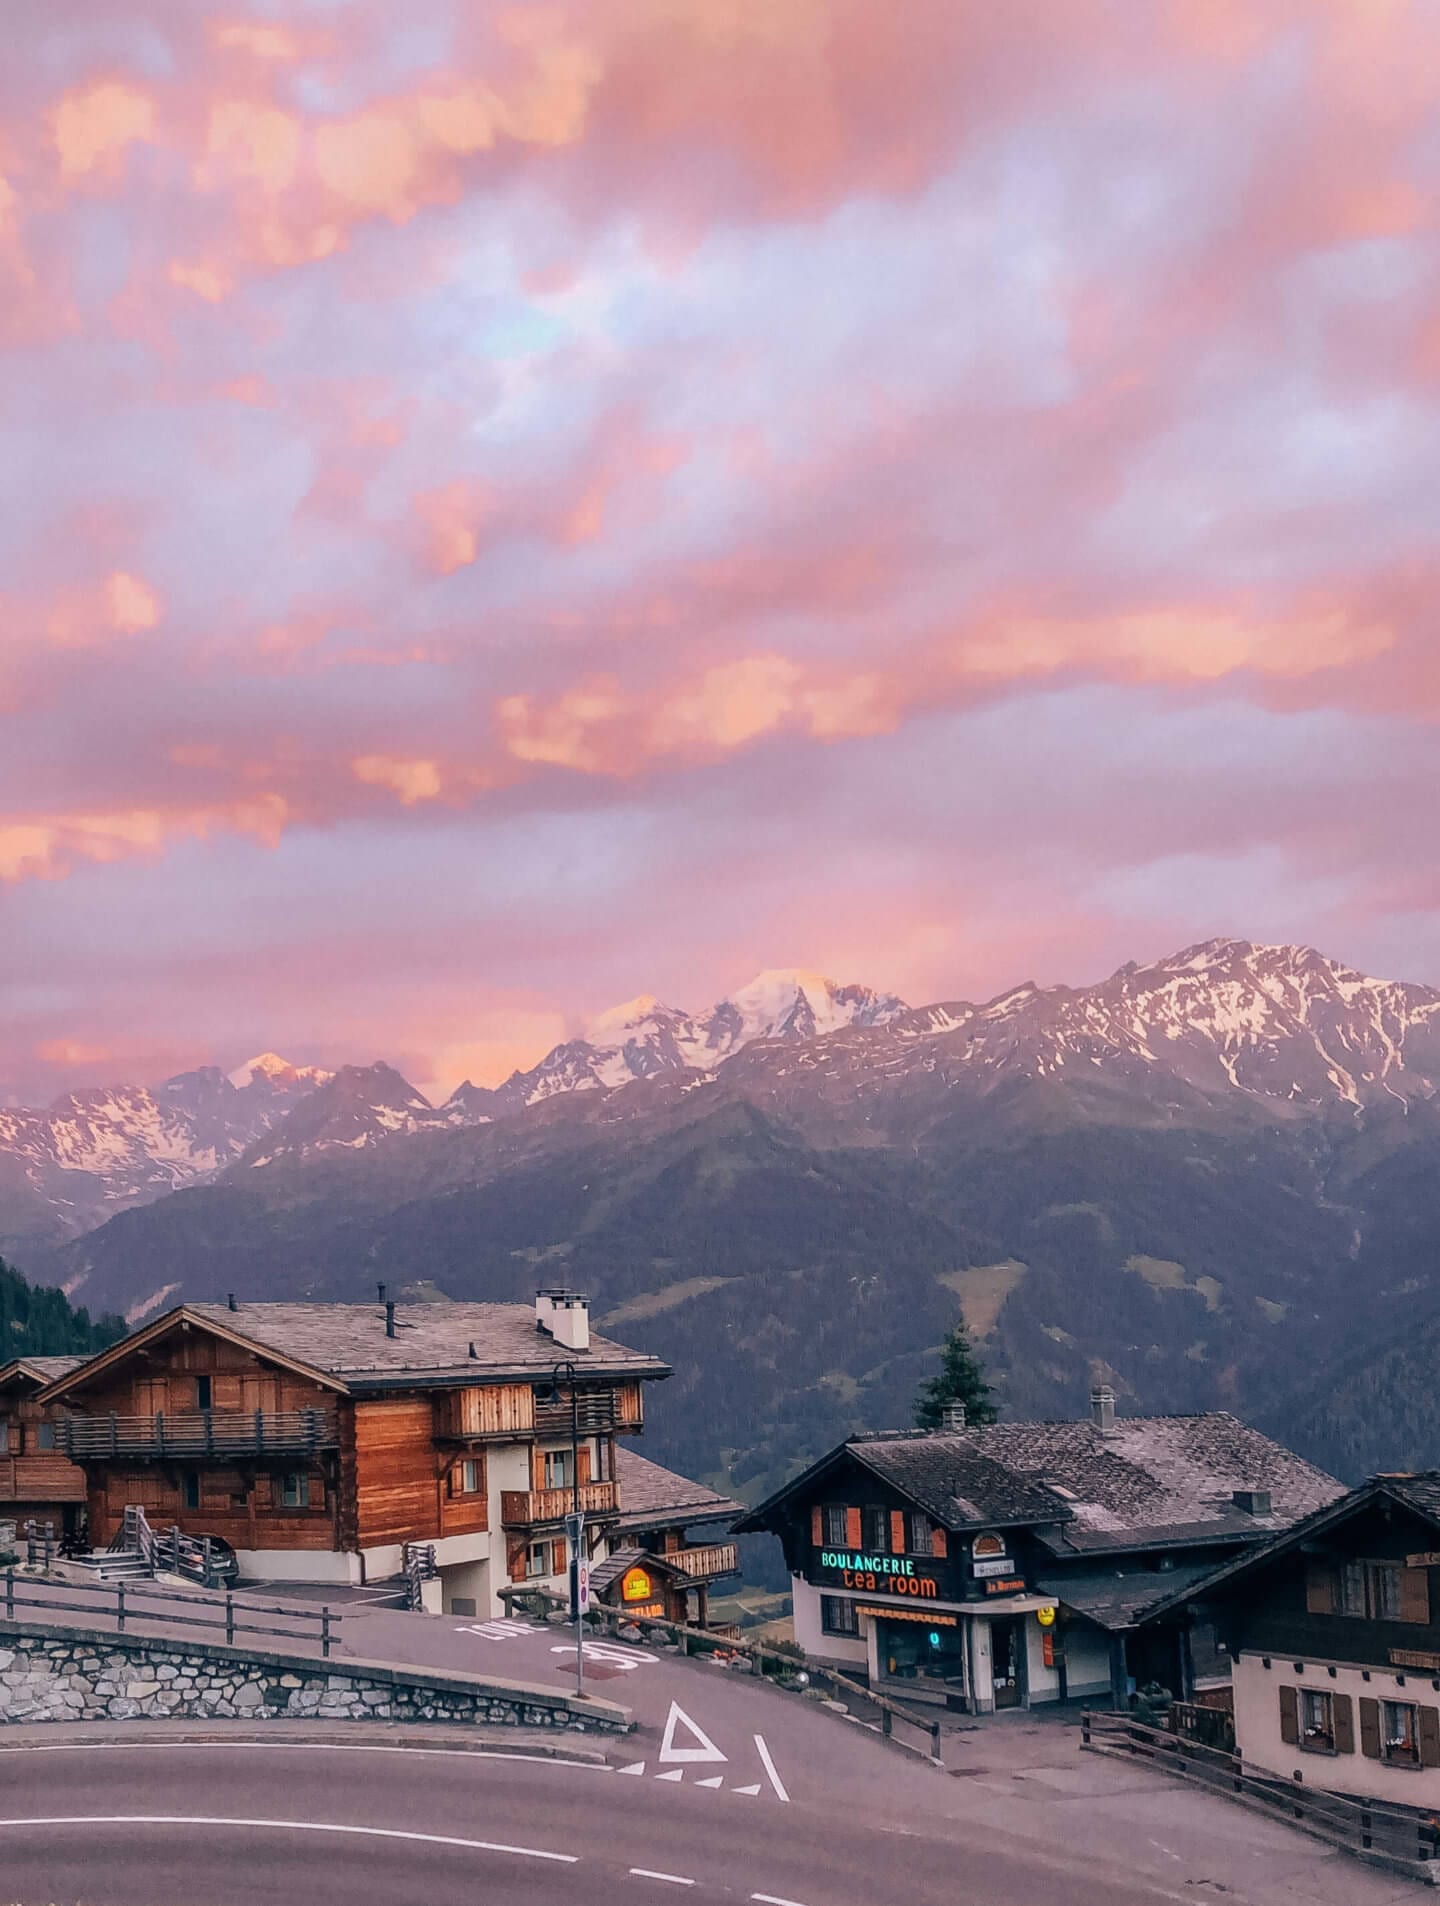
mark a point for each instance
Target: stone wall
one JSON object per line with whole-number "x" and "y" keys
{"x": 49, "y": 1674}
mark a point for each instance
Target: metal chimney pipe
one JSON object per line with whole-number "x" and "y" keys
{"x": 389, "y": 1317}
{"x": 380, "y": 1292}
{"x": 230, "y": 1301}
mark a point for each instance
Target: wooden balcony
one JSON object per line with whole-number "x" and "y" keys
{"x": 705, "y": 1564}
{"x": 40, "y": 1478}
{"x": 600, "y": 1412}
{"x": 524, "y": 1508}
{"x": 198, "y": 1434}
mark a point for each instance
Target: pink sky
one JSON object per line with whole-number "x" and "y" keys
{"x": 508, "y": 506}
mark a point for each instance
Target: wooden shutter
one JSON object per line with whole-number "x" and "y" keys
{"x": 938, "y": 1544}
{"x": 1344, "y": 1711}
{"x": 1430, "y": 1737}
{"x": 1290, "y": 1717}
{"x": 897, "y": 1532}
{"x": 853, "y": 1537}
{"x": 1369, "y": 1728}
{"x": 515, "y": 1558}
{"x": 584, "y": 1470}
{"x": 1415, "y": 1594}
{"x": 817, "y": 1525}
{"x": 1320, "y": 1589}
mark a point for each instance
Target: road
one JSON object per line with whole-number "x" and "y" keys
{"x": 132, "y": 1824}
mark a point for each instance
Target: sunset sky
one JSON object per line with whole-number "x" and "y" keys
{"x": 508, "y": 506}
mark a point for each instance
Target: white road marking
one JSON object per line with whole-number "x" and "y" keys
{"x": 610, "y": 1653}
{"x": 289, "y": 1826}
{"x": 301, "y": 1747}
{"x": 750, "y": 1790}
{"x": 715, "y": 1780}
{"x": 635, "y": 1767}
{"x": 501, "y": 1630}
{"x": 673, "y": 1879}
{"x": 706, "y": 1748}
{"x": 773, "y": 1899}
{"x": 775, "y": 1780}
{"x": 675, "y": 1773}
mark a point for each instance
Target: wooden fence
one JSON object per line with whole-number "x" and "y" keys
{"x": 125, "y": 1602}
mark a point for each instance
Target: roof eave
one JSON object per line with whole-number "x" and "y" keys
{"x": 127, "y": 1347}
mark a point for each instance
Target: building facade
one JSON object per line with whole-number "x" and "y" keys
{"x": 1012, "y": 1565}
{"x": 38, "y": 1482}
{"x": 1333, "y": 1632}
{"x": 667, "y": 1546}
{"x": 317, "y": 1441}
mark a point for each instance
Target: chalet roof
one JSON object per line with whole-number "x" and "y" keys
{"x": 620, "y": 1561}
{"x": 1419, "y": 1493}
{"x": 656, "y": 1498}
{"x": 348, "y": 1345}
{"x": 1114, "y": 1599}
{"x": 39, "y": 1369}
{"x": 1150, "y": 1482}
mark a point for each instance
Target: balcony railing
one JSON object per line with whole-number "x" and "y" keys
{"x": 704, "y": 1564}
{"x": 199, "y": 1433}
{"x": 521, "y": 1508}
{"x": 595, "y": 1415}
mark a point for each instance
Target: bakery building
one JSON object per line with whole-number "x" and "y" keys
{"x": 1015, "y": 1564}
{"x": 1333, "y": 1632}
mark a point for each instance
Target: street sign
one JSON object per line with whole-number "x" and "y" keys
{"x": 582, "y": 1586}
{"x": 1045, "y": 1617}
{"x": 574, "y": 1529}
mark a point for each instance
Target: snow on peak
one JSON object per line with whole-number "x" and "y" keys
{"x": 271, "y": 1069}
{"x": 790, "y": 1000}
{"x": 635, "y": 1015}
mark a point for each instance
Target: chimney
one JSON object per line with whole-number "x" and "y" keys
{"x": 1102, "y": 1409}
{"x": 952, "y": 1418}
{"x": 380, "y": 1293}
{"x": 230, "y": 1301}
{"x": 474, "y": 1353}
{"x": 564, "y": 1315}
{"x": 389, "y": 1317}
{"x": 1255, "y": 1502}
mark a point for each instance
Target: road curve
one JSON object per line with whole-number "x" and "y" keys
{"x": 311, "y": 1824}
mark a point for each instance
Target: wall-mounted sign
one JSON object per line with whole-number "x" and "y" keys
{"x": 636, "y": 1586}
{"x": 883, "y": 1574}
{"x": 1045, "y": 1617}
{"x": 1428, "y": 1558}
{"x": 1414, "y": 1658}
{"x": 1012, "y": 1585}
{"x": 987, "y": 1545}
{"x": 650, "y": 1611}
{"x": 1002, "y": 1565}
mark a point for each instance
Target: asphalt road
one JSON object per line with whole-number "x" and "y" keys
{"x": 182, "y": 1824}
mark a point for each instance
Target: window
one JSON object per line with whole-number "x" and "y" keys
{"x": 838, "y": 1617}
{"x": 603, "y": 1472}
{"x": 465, "y": 1478}
{"x": 1400, "y": 1733}
{"x": 875, "y": 1529}
{"x": 190, "y": 1490}
{"x": 203, "y": 1390}
{"x": 295, "y": 1490}
{"x": 558, "y": 1474}
{"x": 540, "y": 1558}
{"x": 1317, "y": 1722}
{"x": 44, "y": 1436}
{"x": 1382, "y": 1587}
{"x": 920, "y": 1533}
{"x": 1368, "y": 1591}
{"x": 832, "y": 1525}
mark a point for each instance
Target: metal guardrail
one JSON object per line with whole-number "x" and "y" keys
{"x": 126, "y": 1602}
{"x": 1359, "y": 1825}
{"x": 199, "y": 1433}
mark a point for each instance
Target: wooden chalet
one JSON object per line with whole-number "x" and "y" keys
{"x": 38, "y": 1482}
{"x": 317, "y": 1441}
{"x": 664, "y": 1553}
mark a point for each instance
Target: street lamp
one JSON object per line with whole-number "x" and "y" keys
{"x": 575, "y": 1521}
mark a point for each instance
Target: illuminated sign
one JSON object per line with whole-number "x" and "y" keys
{"x": 1013, "y": 1585}
{"x": 990, "y": 1545}
{"x": 1001, "y": 1566}
{"x": 1045, "y": 1617}
{"x": 636, "y": 1586}
{"x": 928, "y": 1616}
{"x": 886, "y": 1574}
{"x": 652, "y": 1611}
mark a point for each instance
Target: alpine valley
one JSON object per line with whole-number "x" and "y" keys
{"x": 1214, "y": 1180}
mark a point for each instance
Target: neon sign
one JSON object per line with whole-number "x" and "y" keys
{"x": 872, "y": 1573}
{"x": 636, "y": 1586}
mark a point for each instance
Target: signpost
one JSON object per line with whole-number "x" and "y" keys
{"x": 579, "y": 1591}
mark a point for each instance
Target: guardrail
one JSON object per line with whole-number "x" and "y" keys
{"x": 718, "y": 1558}
{"x": 519, "y": 1508}
{"x": 126, "y": 1601}
{"x": 1356, "y": 1824}
{"x": 199, "y": 1433}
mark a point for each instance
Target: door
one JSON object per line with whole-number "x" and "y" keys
{"x": 1007, "y": 1653}
{"x": 259, "y": 1393}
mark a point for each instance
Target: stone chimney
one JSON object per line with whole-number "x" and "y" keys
{"x": 1255, "y": 1502}
{"x": 952, "y": 1418}
{"x": 564, "y": 1315}
{"x": 1102, "y": 1409}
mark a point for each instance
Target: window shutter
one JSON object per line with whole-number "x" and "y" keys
{"x": 1343, "y": 1709}
{"x": 1430, "y": 1737}
{"x": 584, "y": 1469}
{"x": 853, "y": 1537}
{"x": 897, "y": 1532}
{"x": 1290, "y": 1716}
{"x": 515, "y": 1558}
{"x": 1415, "y": 1594}
{"x": 937, "y": 1543}
{"x": 817, "y": 1526}
{"x": 1369, "y": 1728}
{"x": 1320, "y": 1589}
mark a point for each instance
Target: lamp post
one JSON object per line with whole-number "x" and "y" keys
{"x": 575, "y": 1521}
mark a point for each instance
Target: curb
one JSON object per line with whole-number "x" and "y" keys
{"x": 518, "y": 1744}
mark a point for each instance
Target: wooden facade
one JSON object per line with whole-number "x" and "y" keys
{"x": 38, "y": 1482}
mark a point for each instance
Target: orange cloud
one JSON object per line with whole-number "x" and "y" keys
{"x": 132, "y": 603}
{"x": 245, "y": 142}
{"x": 93, "y": 128}
{"x": 262, "y": 38}
{"x": 206, "y": 281}
{"x": 413, "y": 781}
{"x": 49, "y": 847}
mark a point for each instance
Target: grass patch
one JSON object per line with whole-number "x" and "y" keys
{"x": 651, "y": 1303}
{"x": 982, "y": 1290}
{"x": 1164, "y": 1274}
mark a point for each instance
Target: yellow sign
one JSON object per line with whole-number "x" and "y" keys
{"x": 911, "y": 1614}
{"x": 636, "y": 1586}
{"x": 1045, "y": 1617}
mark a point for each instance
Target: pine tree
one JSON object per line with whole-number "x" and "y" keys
{"x": 961, "y": 1380}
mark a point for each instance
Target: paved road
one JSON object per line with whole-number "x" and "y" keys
{"x": 252, "y": 1825}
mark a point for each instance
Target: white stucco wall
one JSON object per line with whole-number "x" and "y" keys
{"x": 841, "y": 1650}
{"x": 1087, "y": 1660}
{"x": 1257, "y": 1728}
{"x": 472, "y": 1582}
{"x": 298, "y": 1565}
{"x": 1043, "y": 1682}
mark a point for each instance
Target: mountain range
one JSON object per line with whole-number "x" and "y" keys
{"x": 1210, "y": 1179}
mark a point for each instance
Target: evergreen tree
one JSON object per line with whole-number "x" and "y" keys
{"x": 961, "y": 1380}
{"x": 35, "y": 1322}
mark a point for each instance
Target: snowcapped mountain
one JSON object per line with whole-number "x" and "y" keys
{"x": 644, "y": 1038}
{"x": 78, "y": 1161}
{"x": 355, "y": 1107}
{"x": 269, "y": 1069}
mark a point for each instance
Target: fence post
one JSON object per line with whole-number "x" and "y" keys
{"x": 1365, "y": 1835}
{"x": 206, "y": 1564}
{"x": 120, "y": 1608}
{"x": 9, "y": 1594}
{"x": 229, "y": 1617}
{"x": 325, "y": 1633}
{"x": 935, "y": 1741}
{"x": 1085, "y": 1728}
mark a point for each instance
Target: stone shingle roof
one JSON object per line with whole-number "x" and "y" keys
{"x": 40, "y": 1369}
{"x": 620, "y": 1561}
{"x": 1117, "y": 1600}
{"x": 656, "y": 1498}
{"x": 955, "y": 1480}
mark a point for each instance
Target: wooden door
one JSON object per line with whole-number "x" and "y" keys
{"x": 259, "y": 1392}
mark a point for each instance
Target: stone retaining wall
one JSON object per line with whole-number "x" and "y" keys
{"x": 75, "y": 1674}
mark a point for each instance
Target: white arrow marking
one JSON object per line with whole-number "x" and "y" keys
{"x": 706, "y": 1750}
{"x": 676, "y": 1773}
{"x": 751, "y": 1790}
{"x": 635, "y": 1767}
{"x": 715, "y": 1780}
